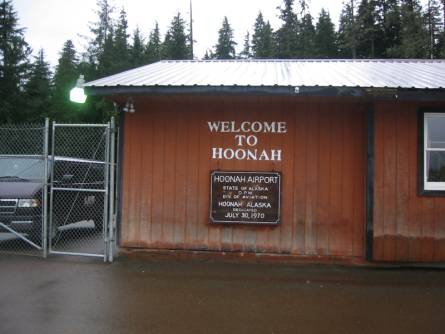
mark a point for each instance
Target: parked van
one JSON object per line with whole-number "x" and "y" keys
{"x": 21, "y": 192}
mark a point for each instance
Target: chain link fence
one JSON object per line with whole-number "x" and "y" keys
{"x": 57, "y": 189}
{"x": 80, "y": 191}
{"x": 23, "y": 188}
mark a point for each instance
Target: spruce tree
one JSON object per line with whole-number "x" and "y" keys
{"x": 100, "y": 60}
{"x": 269, "y": 44}
{"x": 121, "y": 50}
{"x": 390, "y": 11}
{"x": 414, "y": 36}
{"x": 176, "y": 43}
{"x": 442, "y": 37}
{"x": 443, "y": 11}
{"x": 209, "y": 55}
{"x": 257, "y": 37}
{"x": 304, "y": 7}
{"x": 347, "y": 31}
{"x": 14, "y": 65}
{"x": 38, "y": 90}
{"x": 369, "y": 30}
{"x": 65, "y": 78}
{"x": 137, "y": 51}
{"x": 154, "y": 46}
{"x": 306, "y": 38}
{"x": 263, "y": 43}
{"x": 325, "y": 42}
{"x": 106, "y": 60}
{"x": 225, "y": 49}
{"x": 100, "y": 31}
{"x": 245, "y": 53}
{"x": 434, "y": 25}
{"x": 286, "y": 35}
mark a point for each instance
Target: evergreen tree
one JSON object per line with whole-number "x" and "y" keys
{"x": 442, "y": 37}
{"x": 38, "y": 90}
{"x": 225, "y": 49}
{"x": 268, "y": 41}
{"x": 176, "y": 43}
{"x": 64, "y": 80}
{"x": 286, "y": 36}
{"x": 369, "y": 30}
{"x": 347, "y": 31}
{"x": 306, "y": 38}
{"x": 245, "y": 54}
{"x": 154, "y": 47}
{"x": 414, "y": 36}
{"x": 106, "y": 60}
{"x": 434, "y": 24}
{"x": 304, "y": 7}
{"x": 390, "y": 11}
{"x": 121, "y": 52}
{"x": 209, "y": 55}
{"x": 325, "y": 41}
{"x": 443, "y": 11}
{"x": 14, "y": 65}
{"x": 263, "y": 44}
{"x": 100, "y": 31}
{"x": 257, "y": 37}
{"x": 137, "y": 51}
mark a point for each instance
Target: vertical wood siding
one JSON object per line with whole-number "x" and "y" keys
{"x": 407, "y": 227}
{"x": 167, "y": 164}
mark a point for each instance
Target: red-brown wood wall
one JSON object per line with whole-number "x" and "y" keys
{"x": 167, "y": 164}
{"x": 407, "y": 227}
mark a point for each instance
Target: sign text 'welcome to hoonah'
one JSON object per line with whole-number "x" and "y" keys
{"x": 246, "y": 140}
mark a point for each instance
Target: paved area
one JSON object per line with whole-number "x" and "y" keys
{"x": 165, "y": 294}
{"x": 78, "y": 238}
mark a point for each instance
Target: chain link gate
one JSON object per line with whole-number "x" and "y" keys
{"x": 58, "y": 200}
{"x": 82, "y": 188}
{"x": 23, "y": 188}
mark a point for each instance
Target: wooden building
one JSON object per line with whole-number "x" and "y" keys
{"x": 357, "y": 149}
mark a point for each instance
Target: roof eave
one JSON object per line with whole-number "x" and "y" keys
{"x": 374, "y": 93}
{"x": 226, "y": 90}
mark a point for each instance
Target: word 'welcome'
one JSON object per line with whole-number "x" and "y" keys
{"x": 249, "y": 139}
{"x": 255, "y": 127}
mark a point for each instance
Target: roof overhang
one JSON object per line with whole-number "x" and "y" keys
{"x": 226, "y": 90}
{"x": 370, "y": 79}
{"x": 373, "y": 93}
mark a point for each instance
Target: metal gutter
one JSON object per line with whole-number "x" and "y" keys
{"x": 226, "y": 90}
{"x": 371, "y": 93}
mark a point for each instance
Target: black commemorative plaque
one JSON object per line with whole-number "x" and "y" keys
{"x": 245, "y": 197}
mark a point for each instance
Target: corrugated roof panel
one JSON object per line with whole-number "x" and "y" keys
{"x": 338, "y": 73}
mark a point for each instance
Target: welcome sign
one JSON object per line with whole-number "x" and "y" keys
{"x": 246, "y": 141}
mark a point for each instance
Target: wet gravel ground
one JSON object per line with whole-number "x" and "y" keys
{"x": 162, "y": 294}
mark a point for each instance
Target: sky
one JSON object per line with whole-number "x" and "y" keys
{"x": 49, "y": 23}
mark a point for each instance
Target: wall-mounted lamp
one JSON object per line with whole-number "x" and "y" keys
{"x": 129, "y": 106}
{"x": 77, "y": 94}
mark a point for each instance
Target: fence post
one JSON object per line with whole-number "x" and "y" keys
{"x": 106, "y": 218}
{"x": 45, "y": 190}
{"x": 51, "y": 193}
{"x": 111, "y": 215}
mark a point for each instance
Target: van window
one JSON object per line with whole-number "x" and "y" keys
{"x": 12, "y": 168}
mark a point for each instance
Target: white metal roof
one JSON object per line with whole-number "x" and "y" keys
{"x": 419, "y": 74}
